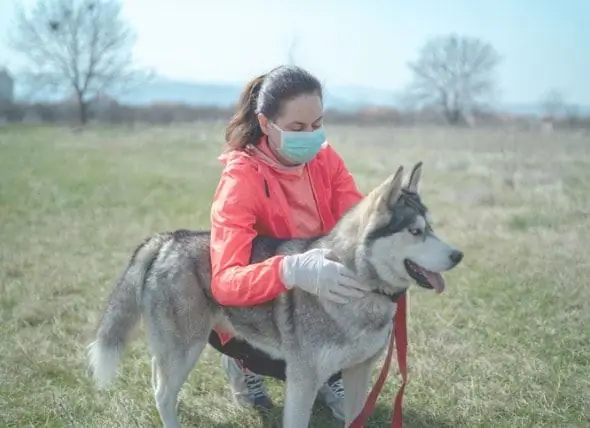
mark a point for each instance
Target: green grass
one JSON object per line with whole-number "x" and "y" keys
{"x": 507, "y": 345}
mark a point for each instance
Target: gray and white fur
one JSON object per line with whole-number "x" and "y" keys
{"x": 167, "y": 283}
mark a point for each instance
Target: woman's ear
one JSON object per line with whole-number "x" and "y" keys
{"x": 263, "y": 122}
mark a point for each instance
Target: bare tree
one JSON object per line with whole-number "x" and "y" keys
{"x": 291, "y": 57}
{"x": 454, "y": 74}
{"x": 77, "y": 48}
{"x": 553, "y": 104}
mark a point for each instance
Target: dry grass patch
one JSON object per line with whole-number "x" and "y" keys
{"x": 507, "y": 345}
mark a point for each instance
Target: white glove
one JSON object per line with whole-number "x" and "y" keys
{"x": 314, "y": 273}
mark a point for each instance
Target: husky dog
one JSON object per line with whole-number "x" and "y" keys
{"x": 386, "y": 239}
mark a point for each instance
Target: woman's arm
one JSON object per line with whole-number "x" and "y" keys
{"x": 235, "y": 282}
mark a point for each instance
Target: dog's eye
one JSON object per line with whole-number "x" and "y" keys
{"x": 415, "y": 232}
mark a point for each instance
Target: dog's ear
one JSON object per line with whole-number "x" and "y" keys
{"x": 390, "y": 189}
{"x": 414, "y": 181}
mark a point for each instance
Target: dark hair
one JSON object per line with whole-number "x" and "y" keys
{"x": 267, "y": 94}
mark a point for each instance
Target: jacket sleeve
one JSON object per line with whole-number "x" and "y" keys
{"x": 345, "y": 193}
{"x": 234, "y": 281}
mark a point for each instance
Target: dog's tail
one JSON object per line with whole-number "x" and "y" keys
{"x": 122, "y": 313}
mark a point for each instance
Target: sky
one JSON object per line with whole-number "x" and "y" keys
{"x": 543, "y": 43}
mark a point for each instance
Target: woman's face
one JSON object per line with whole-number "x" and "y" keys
{"x": 303, "y": 113}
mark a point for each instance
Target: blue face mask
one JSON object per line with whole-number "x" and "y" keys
{"x": 300, "y": 146}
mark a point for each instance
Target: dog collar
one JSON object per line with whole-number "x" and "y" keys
{"x": 393, "y": 297}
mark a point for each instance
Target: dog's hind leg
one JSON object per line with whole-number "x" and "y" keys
{"x": 169, "y": 372}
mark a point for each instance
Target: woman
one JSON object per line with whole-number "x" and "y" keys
{"x": 280, "y": 179}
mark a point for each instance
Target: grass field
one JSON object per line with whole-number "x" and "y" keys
{"x": 507, "y": 345}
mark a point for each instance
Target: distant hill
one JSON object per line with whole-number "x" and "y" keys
{"x": 162, "y": 89}
{"x": 192, "y": 93}
{"x": 225, "y": 95}
{"x": 345, "y": 98}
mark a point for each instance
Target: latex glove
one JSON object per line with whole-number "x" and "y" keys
{"x": 314, "y": 273}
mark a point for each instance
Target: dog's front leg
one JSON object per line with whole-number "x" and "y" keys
{"x": 356, "y": 381}
{"x": 301, "y": 388}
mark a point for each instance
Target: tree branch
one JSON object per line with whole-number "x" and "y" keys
{"x": 81, "y": 47}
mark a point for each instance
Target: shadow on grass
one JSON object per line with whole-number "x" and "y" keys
{"x": 322, "y": 418}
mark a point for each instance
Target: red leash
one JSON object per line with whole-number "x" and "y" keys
{"x": 399, "y": 338}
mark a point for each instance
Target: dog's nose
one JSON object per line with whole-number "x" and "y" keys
{"x": 456, "y": 256}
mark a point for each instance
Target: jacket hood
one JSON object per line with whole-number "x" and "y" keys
{"x": 260, "y": 153}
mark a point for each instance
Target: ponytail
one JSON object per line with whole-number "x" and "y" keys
{"x": 243, "y": 128}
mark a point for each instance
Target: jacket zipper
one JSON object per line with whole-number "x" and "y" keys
{"x": 315, "y": 198}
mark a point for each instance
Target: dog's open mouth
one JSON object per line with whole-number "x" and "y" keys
{"x": 425, "y": 278}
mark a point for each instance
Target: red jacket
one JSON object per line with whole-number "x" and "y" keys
{"x": 256, "y": 195}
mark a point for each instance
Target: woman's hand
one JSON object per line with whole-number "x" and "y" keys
{"x": 313, "y": 272}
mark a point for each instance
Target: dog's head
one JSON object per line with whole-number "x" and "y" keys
{"x": 395, "y": 243}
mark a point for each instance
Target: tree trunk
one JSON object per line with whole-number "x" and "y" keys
{"x": 453, "y": 116}
{"x": 83, "y": 112}
{"x": 82, "y": 108}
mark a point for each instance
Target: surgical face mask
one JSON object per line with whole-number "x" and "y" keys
{"x": 300, "y": 146}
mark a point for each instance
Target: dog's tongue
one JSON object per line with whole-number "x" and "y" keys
{"x": 436, "y": 280}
